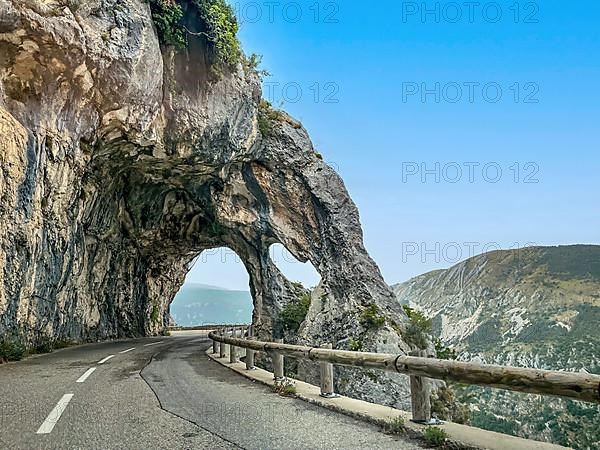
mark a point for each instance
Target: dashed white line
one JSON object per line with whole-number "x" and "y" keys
{"x": 85, "y": 376}
{"x": 54, "y": 415}
{"x": 48, "y": 425}
{"x": 102, "y": 361}
{"x": 153, "y": 343}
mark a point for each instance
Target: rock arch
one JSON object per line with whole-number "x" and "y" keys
{"x": 118, "y": 170}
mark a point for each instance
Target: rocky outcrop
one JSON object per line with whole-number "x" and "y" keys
{"x": 122, "y": 161}
{"x": 533, "y": 307}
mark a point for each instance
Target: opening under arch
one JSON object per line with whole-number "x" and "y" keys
{"x": 293, "y": 269}
{"x": 216, "y": 291}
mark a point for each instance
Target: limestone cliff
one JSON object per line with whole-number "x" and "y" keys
{"x": 122, "y": 159}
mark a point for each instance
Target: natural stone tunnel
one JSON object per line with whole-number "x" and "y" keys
{"x": 122, "y": 161}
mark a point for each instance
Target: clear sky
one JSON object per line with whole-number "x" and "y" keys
{"x": 457, "y": 130}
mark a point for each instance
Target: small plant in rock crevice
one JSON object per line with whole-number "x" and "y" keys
{"x": 418, "y": 318}
{"x": 370, "y": 317}
{"x": 443, "y": 352}
{"x": 285, "y": 387}
{"x": 293, "y": 314}
{"x": 356, "y": 345}
{"x": 418, "y": 328}
{"x": 446, "y": 406}
{"x": 268, "y": 117}
{"x": 216, "y": 230}
{"x": 435, "y": 436}
{"x": 265, "y": 126}
{"x": 395, "y": 426}
{"x": 252, "y": 64}
{"x": 154, "y": 315}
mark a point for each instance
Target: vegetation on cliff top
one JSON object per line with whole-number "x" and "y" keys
{"x": 268, "y": 117}
{"x": 220, "y": 28}
{"x": 167, "y": 16}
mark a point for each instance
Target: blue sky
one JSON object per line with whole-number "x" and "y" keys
{"x": 355, "y": 73}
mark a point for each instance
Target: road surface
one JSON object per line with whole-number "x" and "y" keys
{"x": 161, "y": 393}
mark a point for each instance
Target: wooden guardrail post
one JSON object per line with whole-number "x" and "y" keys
{"x": 224, "y": 346}
{"x": 250, "y": 352}
{"x": 215, "y": 347}
{"x": 278, "y": 363}
{"x": 233, "y": 357}
{"x": 420, "y": 394}
{"x": 327, "y": 377}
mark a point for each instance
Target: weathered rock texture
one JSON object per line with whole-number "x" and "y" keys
{"x": 121, "y": 162}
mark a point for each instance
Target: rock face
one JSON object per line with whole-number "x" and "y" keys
{"x": 535, "y": 307}
{"x": 122, "y": 161}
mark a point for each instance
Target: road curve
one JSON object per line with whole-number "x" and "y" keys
{"x": 157, "y": 394}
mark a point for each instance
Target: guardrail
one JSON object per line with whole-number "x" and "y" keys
{"x": 577, "y": 386}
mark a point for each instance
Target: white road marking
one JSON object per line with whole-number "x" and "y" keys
{"x": 127, "y": 351}
{"x": 153, "y": 343}
{"x": 54, "y": 415}
{"x": 102, "y": 361}
{"x": 85, "y": 376}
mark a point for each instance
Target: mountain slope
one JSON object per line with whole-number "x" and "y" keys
{"x": 199, "y": 304}
{"x": 536, "y": 307}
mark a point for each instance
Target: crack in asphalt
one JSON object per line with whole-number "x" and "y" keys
{"x": 177, "y": 415}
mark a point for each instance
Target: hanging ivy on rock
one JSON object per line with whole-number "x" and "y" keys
{"x": 167, "y": 16}
{"x": 222, "y": 28}
{"x": 219, "y": 28}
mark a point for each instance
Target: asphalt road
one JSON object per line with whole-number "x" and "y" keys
{"x": 160, "y": 394}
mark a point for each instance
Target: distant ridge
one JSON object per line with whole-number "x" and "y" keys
{"x": 205, "y": 286}
{"x": 201, "y": 304}
{"x": 532, "y": 307}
